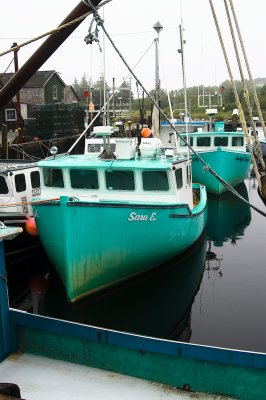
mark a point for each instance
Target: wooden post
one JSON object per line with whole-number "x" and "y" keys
{"x": 4, "y": 142}
{"x": 5, "y": 333}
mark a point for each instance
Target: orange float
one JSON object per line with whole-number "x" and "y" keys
{"x": 31, "y": 227}
{"x": 146, "y": 132}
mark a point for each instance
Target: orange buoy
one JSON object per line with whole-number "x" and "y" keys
{"x": 146, "y": 132}
{"x": 31, "y": 227}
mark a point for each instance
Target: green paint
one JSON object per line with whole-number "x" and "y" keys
{"x": 207, "y": 377}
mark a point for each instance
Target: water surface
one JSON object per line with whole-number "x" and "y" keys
{"x": 214, "y": 294}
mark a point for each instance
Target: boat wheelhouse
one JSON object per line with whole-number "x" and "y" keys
{"x": 104, "y": 220}
{"x": 224, "y": 152}
{"x": 19, "y": 183}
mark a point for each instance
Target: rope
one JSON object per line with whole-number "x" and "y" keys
{"x": 207, "y": 167}
{"x": 248, "y": 69}
{"x": 55, "y": 30}
{"x": 18, "y": 149}
{"x": 30, "y": 203}
{"x": 246, "y": 95}
{"x": 239, "y": 106}
{"x": 94, "y": 36}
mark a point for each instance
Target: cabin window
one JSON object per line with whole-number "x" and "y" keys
{"x": 204, "y": 141}
{"x": 53, "y": 177}
{"x": 54, "y": 89}
{"x": 155, "y": 180}
{"x": 11, "y": 114}
{"x": 182, "y": 143}
{"x": 84, "y": 179}
{"x": 119, "y": 180}
{"x": 221, "y": 141}
{"x": 3, "y": 186}
{"x": 179, "y": 178}
{"x": 20, "y": 182}
{"x": 237, "y": 141}
{"x": 35, "y": 179}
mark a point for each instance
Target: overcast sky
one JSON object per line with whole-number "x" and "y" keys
{"x": 130, "y": 24}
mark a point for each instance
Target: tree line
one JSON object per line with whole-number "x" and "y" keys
{"x": 199, "y": 99}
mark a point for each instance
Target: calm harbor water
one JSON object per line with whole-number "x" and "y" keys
{"x": 214, "y": 294}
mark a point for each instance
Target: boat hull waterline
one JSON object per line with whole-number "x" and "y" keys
{"x": 88, "y": 256}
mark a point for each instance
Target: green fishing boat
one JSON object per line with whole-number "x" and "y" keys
{"x": 103, "y": 219}
{"x": 223, "y": 152}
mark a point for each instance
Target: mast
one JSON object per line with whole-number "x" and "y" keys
{"x": 41, "y": 55}
{"x": 181, "y": 51}
{"x": 156, "y": 118}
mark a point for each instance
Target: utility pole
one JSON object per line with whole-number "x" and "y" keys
{"x": 20, "y": 122}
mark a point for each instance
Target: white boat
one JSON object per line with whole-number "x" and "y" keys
{"x": 19, "y": 184}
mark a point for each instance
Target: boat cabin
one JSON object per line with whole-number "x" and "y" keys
{"x": 19, "y": 183}
{"x": 140, "y": 180}
{"x": 205, "y": 141}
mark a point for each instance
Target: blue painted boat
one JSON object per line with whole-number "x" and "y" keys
{"x": 222, "y": 151}
{"x": 103, "y": 220}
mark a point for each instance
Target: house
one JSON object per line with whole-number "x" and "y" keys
{"x": 44, "y": 87}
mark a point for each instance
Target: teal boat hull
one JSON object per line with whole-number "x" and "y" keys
{"x": 232, "y": 167}
{"x": 95, "y": 245}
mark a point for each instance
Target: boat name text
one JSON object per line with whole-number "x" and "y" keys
{"x": 141, "y": 217}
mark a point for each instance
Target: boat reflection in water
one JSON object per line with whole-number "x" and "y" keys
{"x": 228, "y": 216}
{"x": 155, "y": 304}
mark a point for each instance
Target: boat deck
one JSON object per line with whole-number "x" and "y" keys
{"x": 40, "y": 378}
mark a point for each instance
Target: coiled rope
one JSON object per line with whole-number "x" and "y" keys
{"x": 206, "y": 166}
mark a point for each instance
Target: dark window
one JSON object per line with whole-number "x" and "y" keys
{"x": 54, "y": 89}
{"x": 221, "y": 141}
{"x": 20, "y": 182}
{"x": 3, "y": 186}
{"x": 11, "y": 114}
{"x": 179, "y": 178}
{"x": 155, "y": 180}
{"x": 119, "y": 180}
{"x": 203, "y": 141}
{"x": 182, "y": 143}
{"x": 84, "y": 179}
{"x": 35, "y": 179}
{"x": 53, "y": 177}
{"x": 237, "y": 141}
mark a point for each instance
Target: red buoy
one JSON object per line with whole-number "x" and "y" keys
{"x": 31, "y": 227}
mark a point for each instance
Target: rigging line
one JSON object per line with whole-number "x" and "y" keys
{"x": 207, "y": 167}
{"x": 248, "y": 68}
{"x": 167, "y": 91}
{"x": 59, "y": 28}
{"x": 246, "y": 94}
{"x": 239, "y": 106}
{"x": 2, "y": 75}
{"x": 109, "y": 99}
